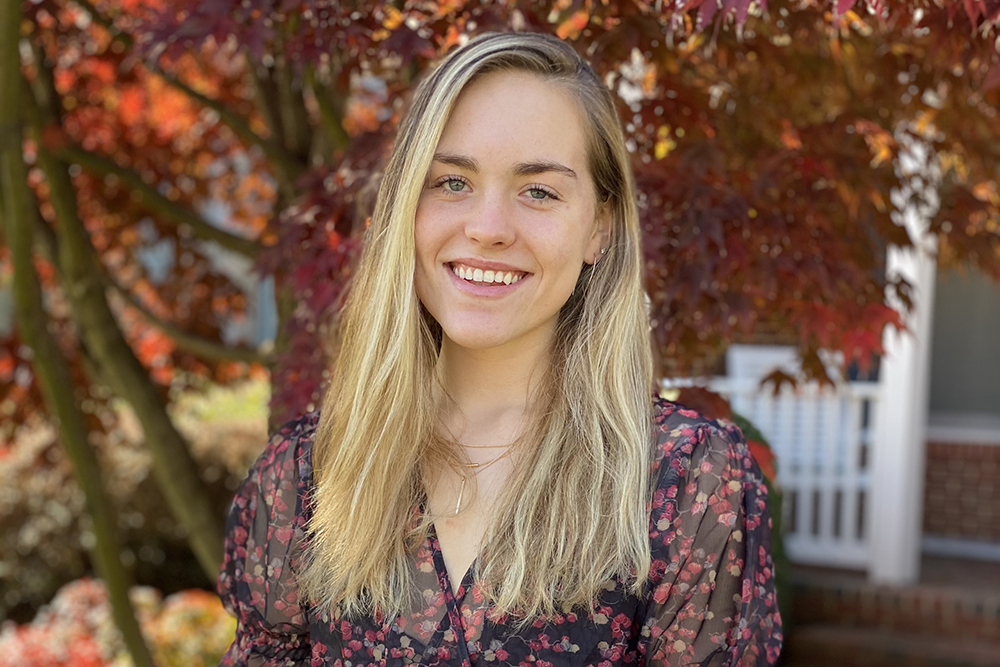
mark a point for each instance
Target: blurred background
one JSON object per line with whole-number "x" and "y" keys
{"x": 183, "y": 190}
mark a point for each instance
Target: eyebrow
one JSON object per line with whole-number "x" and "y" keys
{"x": 521, "y": 169}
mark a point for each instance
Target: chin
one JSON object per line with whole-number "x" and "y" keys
{"x": 475, "y": 338}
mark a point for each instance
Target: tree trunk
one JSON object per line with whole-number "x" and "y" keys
{"x": 83, "y": 276}
{"x": 174, "y": 467}
{"x": 48, "y": 364}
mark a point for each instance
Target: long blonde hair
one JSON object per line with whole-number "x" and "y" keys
{"x": 576, "y": 511}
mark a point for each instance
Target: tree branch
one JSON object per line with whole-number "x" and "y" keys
{"x": 286, "y": 166}
{"x": 38, "y": 110}
{"x": 188, "y": 342}
{"x": 330, "y": 115}
{"x": 174, "y": 467}
{"x": 48, "y": 363}
{"x": 266, "y": 94}
{"x": 104, "y": 21}
{"x": 295, "y": 120}
{"x": 156, "y": 202}
{"x": 42, "y": 89}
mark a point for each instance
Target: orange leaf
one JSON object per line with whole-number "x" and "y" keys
{"x": 393, "y": 18}
{"x": 764, "y": 457}
{"x": 574, "y": 25}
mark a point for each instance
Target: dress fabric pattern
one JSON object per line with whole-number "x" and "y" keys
{"x": 709, "y": 600}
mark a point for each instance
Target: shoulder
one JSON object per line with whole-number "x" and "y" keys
{"x": 695, "y": 455}
{"x": 264, "y": 535}
{"x": 289, "y": 449}
{"x": 681, "y": 434}
{"x": 275, "y": 490}
{"x": 287, "y": 456}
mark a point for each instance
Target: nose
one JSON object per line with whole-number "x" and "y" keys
{"x": 490, "y": 224}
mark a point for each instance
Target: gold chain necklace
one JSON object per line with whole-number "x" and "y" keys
{"x": 478, "y": 468}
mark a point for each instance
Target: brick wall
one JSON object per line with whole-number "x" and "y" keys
{"x": 961, "y": 613}
{"x": 962, "y": 491}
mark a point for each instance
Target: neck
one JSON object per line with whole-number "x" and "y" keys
{"x": 490, "y": 389}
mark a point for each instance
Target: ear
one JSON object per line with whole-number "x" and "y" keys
{"x": 601, "y": 238}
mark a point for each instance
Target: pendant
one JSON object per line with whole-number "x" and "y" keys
{"x": 461, "y": 491}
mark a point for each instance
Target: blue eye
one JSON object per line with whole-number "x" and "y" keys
{"x": 451, "y": 184}
{"x": 539, "y": 193}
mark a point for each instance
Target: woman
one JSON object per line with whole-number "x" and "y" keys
{"x": 489, "y": 480}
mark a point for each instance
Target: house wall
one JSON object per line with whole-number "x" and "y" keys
{"x": 965, "y": 345}
{"x": 962, "y": 491}
{"x": 962, "y": 475}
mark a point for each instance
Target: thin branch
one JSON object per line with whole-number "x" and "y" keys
{"x": 188, "y": 342}
{"x": 156, "y": 202}
{"x": 37, "y": 111}
{"x": 48, "y": 242}
{"x": 295, "y": 120}
{"x": 104, "y": 21}
{"x": 265, "y": 93}
{"x": 43, "y": 87}
{"x": 329, "y": 115}
{"x": 286, "y": 166}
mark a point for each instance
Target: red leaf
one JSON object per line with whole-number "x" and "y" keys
{"x": 843, "y": 6}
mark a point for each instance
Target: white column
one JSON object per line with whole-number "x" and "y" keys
{"x": 895, "y": 510}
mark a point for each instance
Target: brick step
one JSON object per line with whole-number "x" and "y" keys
{"x": 938, "y": 611}
{"x": 840, "y": 646}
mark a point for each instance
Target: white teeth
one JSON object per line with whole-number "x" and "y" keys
{"x": 481, "y": 276}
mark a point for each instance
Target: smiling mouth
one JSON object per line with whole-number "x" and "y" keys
{"x": 486, "y": 277}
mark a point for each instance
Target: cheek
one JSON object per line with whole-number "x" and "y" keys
{"x": 426, "y": 235}
{"x": 565, "y": 249}
{"x": 432, "y": 236}
{"x": 564, "y": 265}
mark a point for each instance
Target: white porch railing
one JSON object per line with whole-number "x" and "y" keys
{"x": 850, "y": 457}
{"x": 822, "y": 439}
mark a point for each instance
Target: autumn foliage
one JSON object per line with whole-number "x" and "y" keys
{"x": 776, "y": 147}
{"x": 767, "y": 145}
{"x": 189, "y": 629}
{"x": 766, "y": 149}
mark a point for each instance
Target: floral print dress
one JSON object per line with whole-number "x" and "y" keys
{"x": 709, "y": 600}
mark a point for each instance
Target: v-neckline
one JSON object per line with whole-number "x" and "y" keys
{"x": 453, "y": 600}
{"x": 445, "y": 577}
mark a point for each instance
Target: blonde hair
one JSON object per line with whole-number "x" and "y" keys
{"x": 577, "y": 507}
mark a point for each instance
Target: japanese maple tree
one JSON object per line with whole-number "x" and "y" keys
{"x": 767, "y": 142}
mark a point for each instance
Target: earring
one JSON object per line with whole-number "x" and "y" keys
{"x": 603, "y": 250}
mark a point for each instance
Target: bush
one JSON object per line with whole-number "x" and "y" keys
{"x": 187, "y": 629}
{"x": 45, "y": 531}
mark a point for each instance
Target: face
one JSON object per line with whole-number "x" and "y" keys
{"x": 508, "y": 215}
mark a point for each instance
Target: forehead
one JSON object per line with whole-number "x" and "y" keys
{"x": 507, "y": 117}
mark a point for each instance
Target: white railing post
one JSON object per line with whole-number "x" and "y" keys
{"x": 897, "y": 482}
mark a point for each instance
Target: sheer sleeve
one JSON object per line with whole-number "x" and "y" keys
{"x": 264, "y": 531}
{"x": 713, "y": 602}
